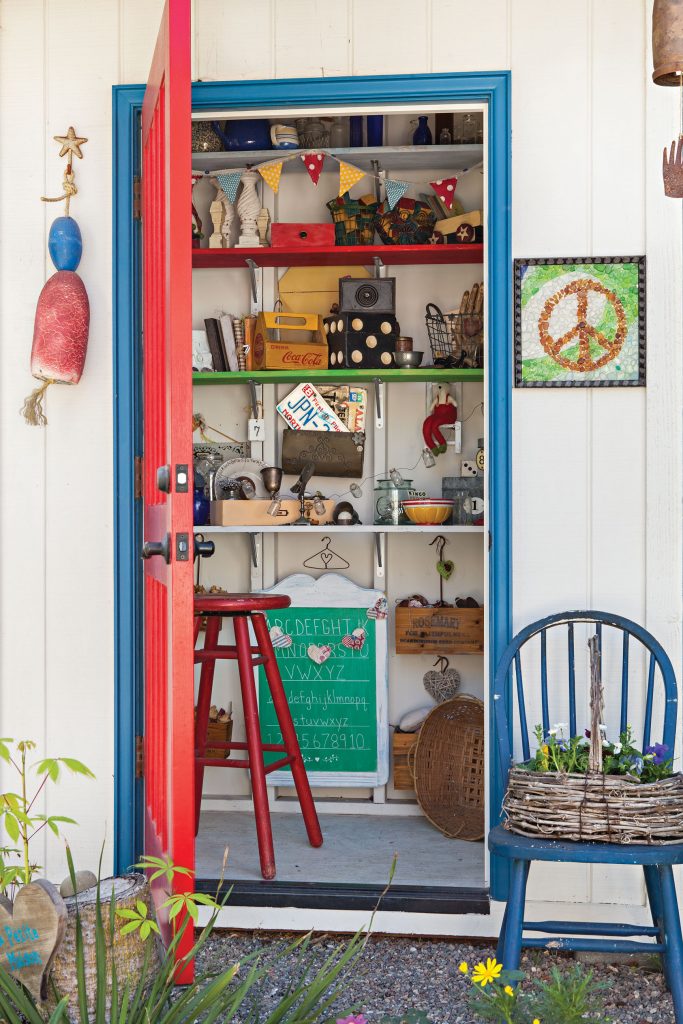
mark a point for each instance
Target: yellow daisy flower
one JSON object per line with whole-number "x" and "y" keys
{"x": 484, "y": 974}
{"x": 535, "y": 1021}
{"x": 508, "y": 990}
{"x": 463, "y": 968}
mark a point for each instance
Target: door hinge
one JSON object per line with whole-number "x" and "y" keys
{"x": 137, "y": 476}
{"x": 139, "y": 757}
{"x": 137, "y": 198}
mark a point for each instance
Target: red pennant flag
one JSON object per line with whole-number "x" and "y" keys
{"x": 445, "y": 190}
{"x": 314, "y": 165}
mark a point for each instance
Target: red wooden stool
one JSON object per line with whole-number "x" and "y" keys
{"x": 240, "y": 608}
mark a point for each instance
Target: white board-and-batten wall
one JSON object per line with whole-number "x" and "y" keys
{"x": 597, "y": 474}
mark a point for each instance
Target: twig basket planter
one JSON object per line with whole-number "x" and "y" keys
{"x": 595, "y": 807}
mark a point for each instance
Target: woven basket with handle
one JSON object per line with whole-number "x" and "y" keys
{"x": 594, "y": 807}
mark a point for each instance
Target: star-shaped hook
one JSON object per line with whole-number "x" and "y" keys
{"x": 70, "y": 143}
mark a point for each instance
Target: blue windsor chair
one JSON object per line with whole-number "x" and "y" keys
{"x": 520, "y": 850}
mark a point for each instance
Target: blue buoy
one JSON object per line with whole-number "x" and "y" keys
{"x": 65, "y": 243}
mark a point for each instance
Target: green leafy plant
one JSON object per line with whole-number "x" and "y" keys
{"x": 572, "y": 997}
{"x": 212, "y": 996}
{"x": 557, "y": 754}
{"x": 17, "y": 816}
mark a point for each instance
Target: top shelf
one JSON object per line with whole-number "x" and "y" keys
{"x": 394, "y": 158}
{"x": 339, "y": 255}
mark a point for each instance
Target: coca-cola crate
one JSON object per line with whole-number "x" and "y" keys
{"x": 289, "y": 341}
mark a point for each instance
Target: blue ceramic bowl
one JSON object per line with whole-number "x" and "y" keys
{"x": 247, "y": 133}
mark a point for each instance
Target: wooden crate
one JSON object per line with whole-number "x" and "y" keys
{"x": 439, "y": 630}
{"x": 221, "y": 732}
{"x": 402, "y": 744}
{"x": 255, "y": 512}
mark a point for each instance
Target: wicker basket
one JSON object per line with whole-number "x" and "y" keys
{"x": 354, "y": 220}
{"x": 447, "y": 763}
{"x": 409, "y": 223}
{"x": 596, "y": 807}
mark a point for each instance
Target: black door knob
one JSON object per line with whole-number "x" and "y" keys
{"x": 203, "y": 548}
{"x": 164, "y": 479}
{"x": 152, "y": 548}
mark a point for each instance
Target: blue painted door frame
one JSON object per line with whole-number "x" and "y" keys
{"x": 492, "y": 88}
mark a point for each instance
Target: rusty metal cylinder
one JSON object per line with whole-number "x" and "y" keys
{"x": 667, "y": 42}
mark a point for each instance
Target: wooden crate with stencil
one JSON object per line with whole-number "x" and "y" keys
{"x": 219, "y": 731}
{"x": 439, "y": 630}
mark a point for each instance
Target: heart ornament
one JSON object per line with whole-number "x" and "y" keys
{"x": 445, "y": 569}
{"x": 279, "y": 638}
{"x": 354, "y": 640}
{"x": 319, "y": 654}
{"x": 379, "y": 609}
{"x": 442, "y": 683}
{"x": 31, "y": 930}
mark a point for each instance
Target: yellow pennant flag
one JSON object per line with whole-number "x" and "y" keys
{"x": 348, "y": 176}
{"x": 271, "y": 174}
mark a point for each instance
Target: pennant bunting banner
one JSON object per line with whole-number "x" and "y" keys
{"x": 271, "y": 174}
{"x": 445, "y": 190}
{"x": 348, "y": 176}
{"x": 395, "y": 191}
{"x": 314, "y": 165}
{"x": 230, "y": 182}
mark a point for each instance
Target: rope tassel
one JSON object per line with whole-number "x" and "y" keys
{"x": 32, "y": 410}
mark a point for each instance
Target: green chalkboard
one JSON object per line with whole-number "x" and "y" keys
{"x": 338, "y": 704}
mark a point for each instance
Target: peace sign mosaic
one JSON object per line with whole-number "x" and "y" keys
{"x": 580, "y": 322}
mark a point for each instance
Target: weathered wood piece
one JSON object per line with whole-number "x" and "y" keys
{"x": 31, "y": 930}
{"x": 439, "y": 630}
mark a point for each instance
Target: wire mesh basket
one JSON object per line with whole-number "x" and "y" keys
{"x": 456, "y": 339}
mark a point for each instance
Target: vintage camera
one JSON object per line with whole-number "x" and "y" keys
{"x": 367, "y": 295}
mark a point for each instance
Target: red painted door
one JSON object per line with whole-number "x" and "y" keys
{"x": 167, "y": 467}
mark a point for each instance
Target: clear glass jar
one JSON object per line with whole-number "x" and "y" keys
{"x": 389, "y": 502}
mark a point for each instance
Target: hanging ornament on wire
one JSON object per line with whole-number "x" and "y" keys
{"x": 667, "y": 59}
{"x": 62, "y": 320}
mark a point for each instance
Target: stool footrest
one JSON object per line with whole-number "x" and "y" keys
{"x": 241, "y": 745}
{"x": 225, "y": 652}
{"x": 279, "y": 764}
{"x": 231, "y": 762}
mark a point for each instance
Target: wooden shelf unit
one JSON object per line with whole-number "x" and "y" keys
{"x": 339, "y": 255}
{"x": 429, "y": 375}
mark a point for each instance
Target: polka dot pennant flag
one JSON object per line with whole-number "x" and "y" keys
{"x": 271, "y": 174}
{"x": 314, "y": 165}
{"x": 230, "y": 183}
{"x": 348, "y": 176}
{"x": 395, "y": 190}
{"x": 445, "y": 190}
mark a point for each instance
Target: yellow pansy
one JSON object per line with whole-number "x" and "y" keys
{"x": 463, "y": 968}
{"x": 508, "y": 990}
{"x": 535, "y": 1021}
{"x": 484, "y": 974}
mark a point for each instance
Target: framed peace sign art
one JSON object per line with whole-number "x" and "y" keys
{"x": 580, "y": 322}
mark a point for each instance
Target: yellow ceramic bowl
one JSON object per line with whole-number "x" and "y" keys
{"x": 428, "y": 513}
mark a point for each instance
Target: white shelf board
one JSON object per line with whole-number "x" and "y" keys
{"x": 338, "y": 529}
{"x": 393, "y": 158}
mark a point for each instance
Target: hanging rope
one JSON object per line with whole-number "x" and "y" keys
{"x": 69, "y": 190}
{"x": 32, "y": 410}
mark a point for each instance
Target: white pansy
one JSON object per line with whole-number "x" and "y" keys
{"x": 617, "y": 748}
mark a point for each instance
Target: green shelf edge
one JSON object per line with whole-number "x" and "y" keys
{"x": 426, "y": 375}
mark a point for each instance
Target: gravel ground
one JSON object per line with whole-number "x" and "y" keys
{"x": 394, "y": 975}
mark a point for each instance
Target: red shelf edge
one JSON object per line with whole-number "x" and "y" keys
{"x": 269, "y": 256}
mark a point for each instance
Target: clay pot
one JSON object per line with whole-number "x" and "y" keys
{"x": 667, "y": 41}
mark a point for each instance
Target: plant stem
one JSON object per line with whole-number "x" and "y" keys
{"x": 24, "y": 827}
{"x": 37, "y": 794}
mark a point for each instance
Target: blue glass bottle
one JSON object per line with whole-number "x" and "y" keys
{"x": 422, "y": 136}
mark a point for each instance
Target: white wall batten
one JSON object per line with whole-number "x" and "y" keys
{"x": 596, "y": 474}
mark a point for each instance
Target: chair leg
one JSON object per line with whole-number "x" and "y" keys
{"x": 500, "y": 948}
{"x": 289, "y": 737}
{"x": 201, "y": 725}
{"x": 654, "y": 896}
{"x": 512, "y": 946}
{"x": 673, "y": 941}
{"x": 257, "y": 770}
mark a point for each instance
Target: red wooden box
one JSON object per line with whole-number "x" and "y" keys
{"x": 283, "y": 236}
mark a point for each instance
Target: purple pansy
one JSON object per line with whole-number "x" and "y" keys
{"x": 659, "y": 752}
{"x": 353, "y": 1018}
